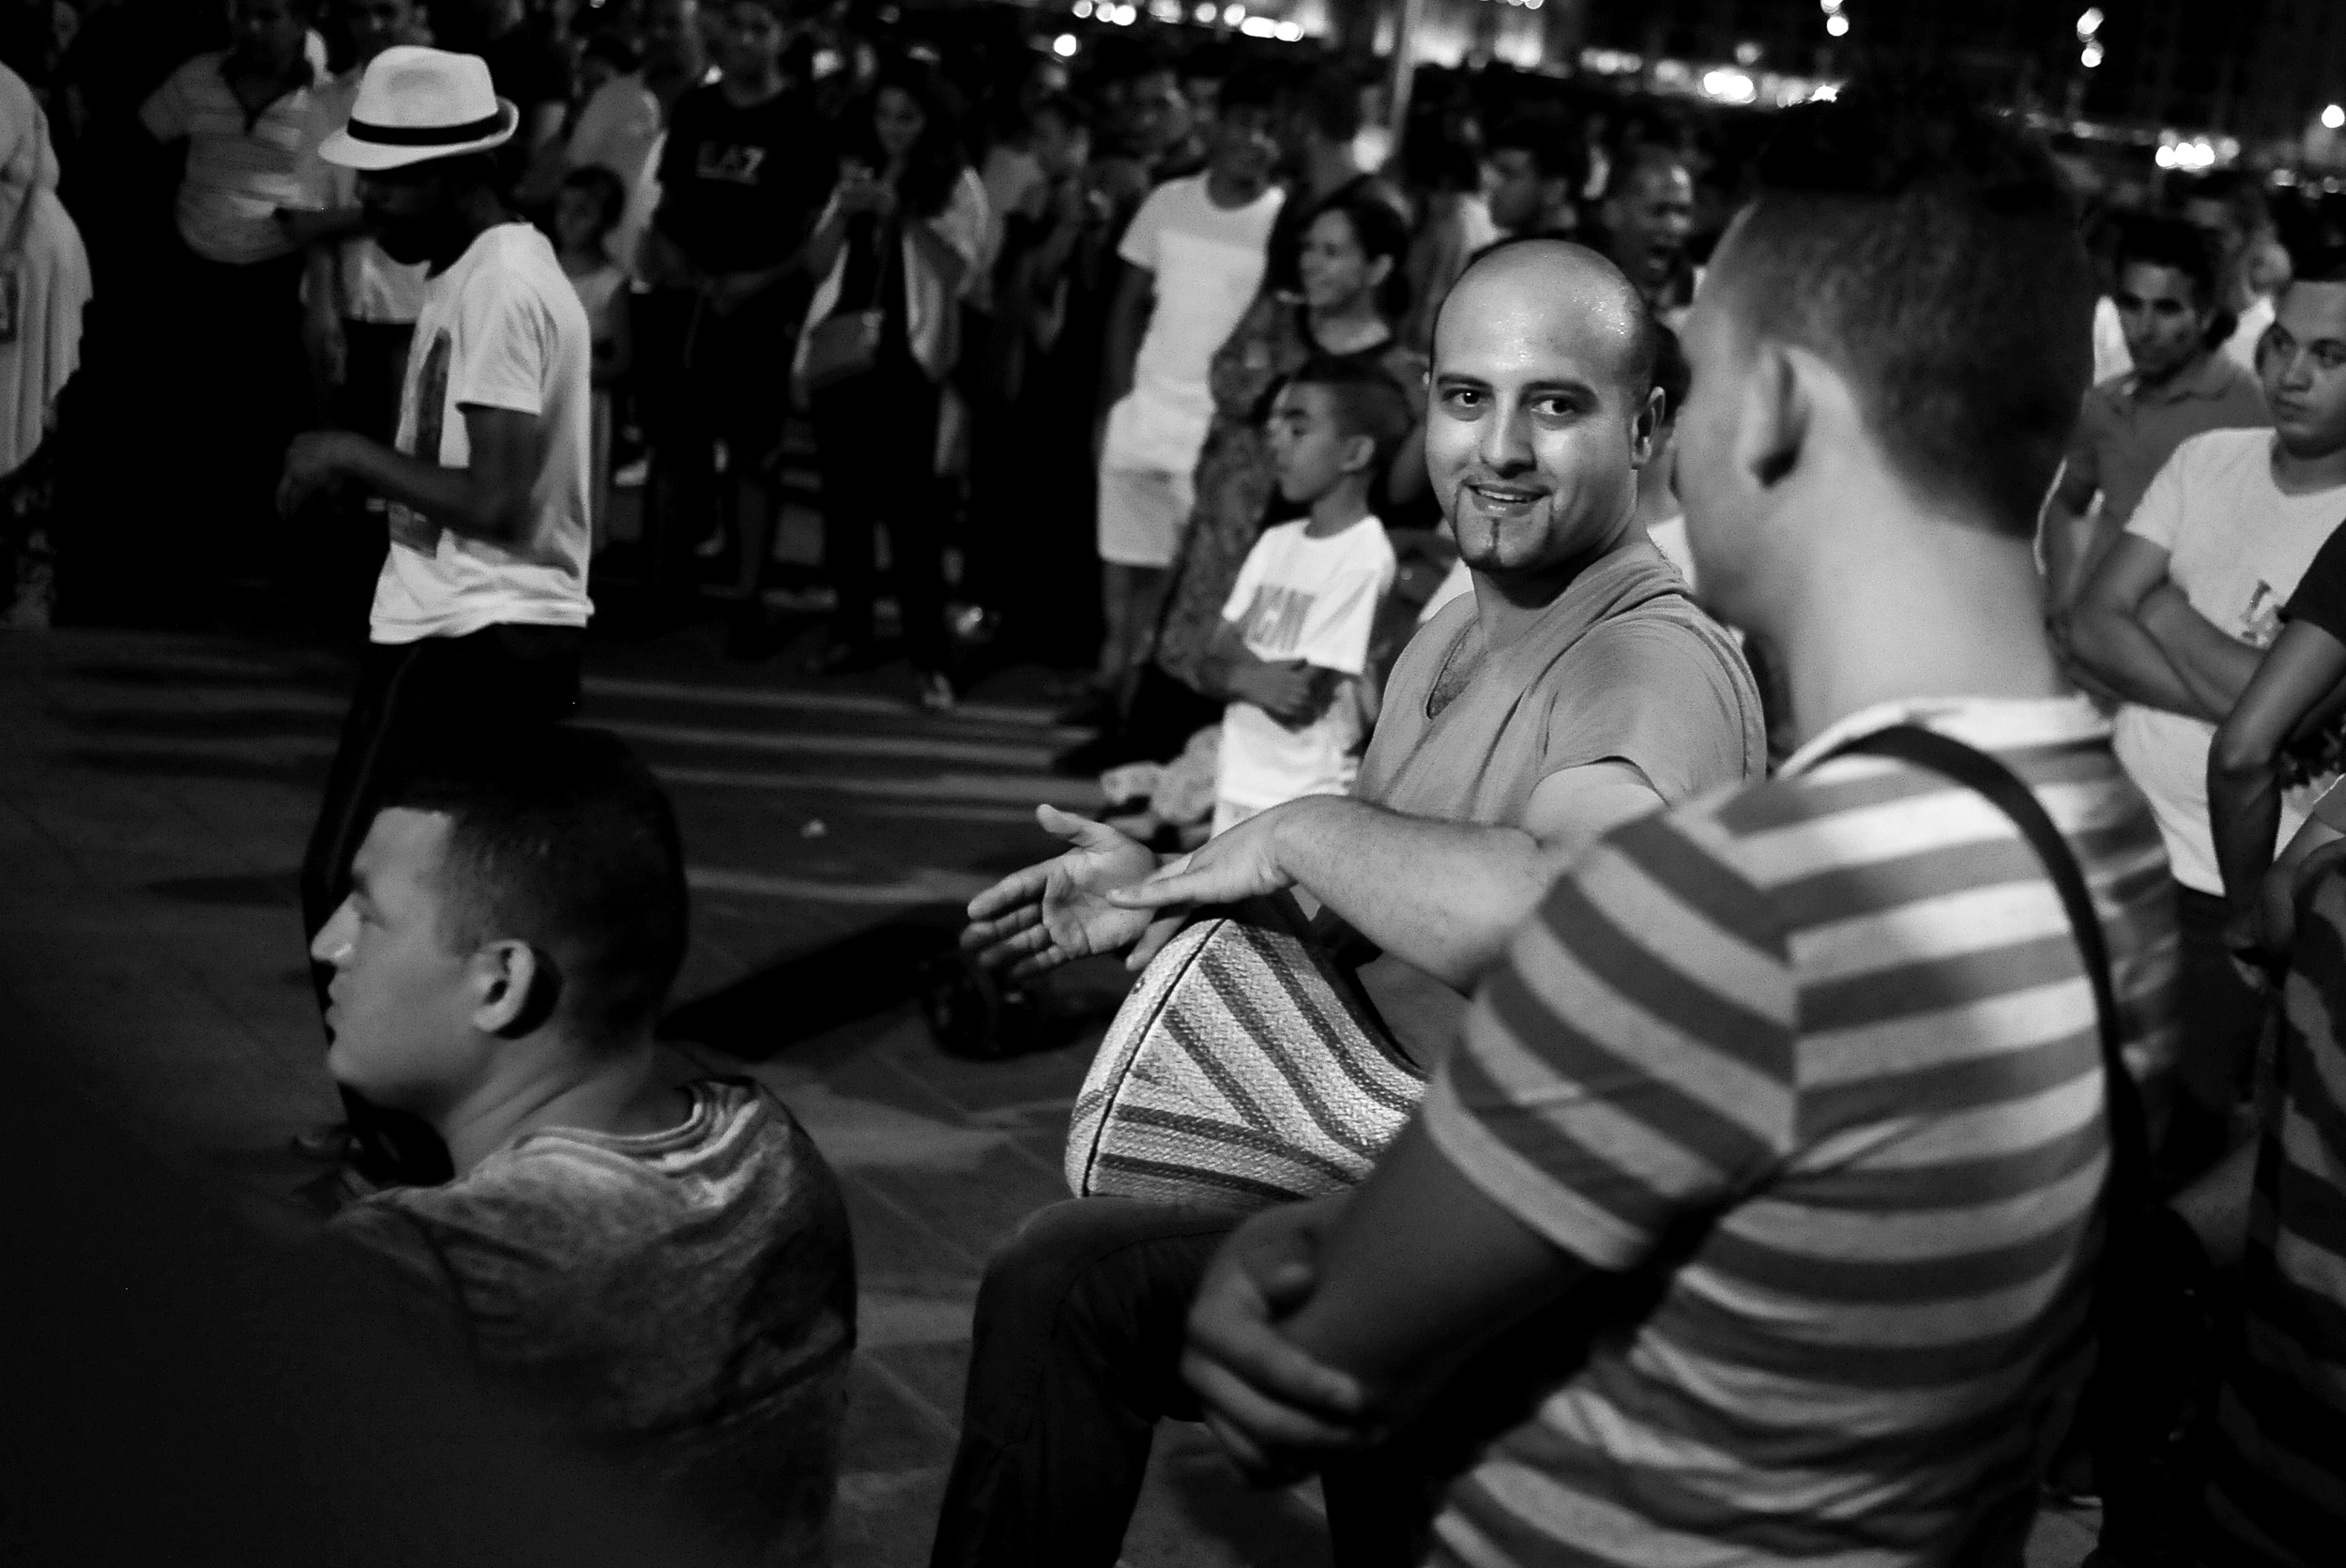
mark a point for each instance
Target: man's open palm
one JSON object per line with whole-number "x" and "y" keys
{"x": 1057, "y": 911}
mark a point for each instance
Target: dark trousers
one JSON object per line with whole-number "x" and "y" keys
{"x": 875, "y": 439}
{"x": 2221, "y": 1017}
{"x": 411, "y": 697}
{"x": 1075, "y": 1357}
{"x": 703, "y": 379}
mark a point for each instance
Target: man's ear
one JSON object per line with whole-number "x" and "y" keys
{"x": 1646, "y": 429}
{"x": 1360, "y": 454}
{"x": 515, "y": 987}
{"x": 1379, "y": 270}
{"x": 1777, "y": 414}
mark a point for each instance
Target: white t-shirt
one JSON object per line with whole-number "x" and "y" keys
{"x": 2236, "y": 546}
{"x": 1670, "y": 537}
{"x": 502, "y": 328}
{"x": 370, "y": 285}
{"x": 2242, "y": 346}
{"x": 2111, "y": 355}
{"x": 1316, "y": 599}
{"x": 1208, "y": 261}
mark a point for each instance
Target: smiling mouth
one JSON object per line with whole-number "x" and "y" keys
{"x": 1503, "y": 494}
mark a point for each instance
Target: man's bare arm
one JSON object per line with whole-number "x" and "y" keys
{"x": 1420, "y": 1269}
{"x": 2218, "y": 667}
{"x": 2243, "y": 794}
{"x": 1321, "y": 1325}
{"x": 1447, "y": 896}
{"x": 488, "y": 499}
{"x": 1442, "y": 896}
{"x": 2112, "y": 646}
{"x": 2068, "y": 537}
{"x": 1128, "y": 319}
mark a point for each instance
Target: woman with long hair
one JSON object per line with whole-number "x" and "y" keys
{"x": 896, "y": 248}
{"x": 1353, "y": 293}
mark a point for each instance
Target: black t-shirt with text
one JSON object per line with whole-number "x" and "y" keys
{"x": 739, "y": 186}
{"x": 2321, "y": 595}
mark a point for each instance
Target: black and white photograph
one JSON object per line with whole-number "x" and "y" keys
{"x": 1173, "y": 784}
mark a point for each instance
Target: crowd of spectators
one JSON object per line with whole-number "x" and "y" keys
{"x": 1778, "y": 998}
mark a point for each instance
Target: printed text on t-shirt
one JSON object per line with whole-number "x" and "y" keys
{"x": 1274, "y": 621}
{"x": 733, "y": 163}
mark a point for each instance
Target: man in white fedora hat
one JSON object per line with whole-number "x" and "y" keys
{"x": 482, "y": 605}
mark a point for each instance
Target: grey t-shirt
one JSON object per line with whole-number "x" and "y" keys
{"x": 1623, "y": 667}
{"x": 683, "y": 1299}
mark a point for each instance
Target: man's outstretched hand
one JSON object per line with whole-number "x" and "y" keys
{"x": 1055, "y": 912}
{"x": 1241, "y": 863}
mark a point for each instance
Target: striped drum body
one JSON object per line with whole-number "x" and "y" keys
{"x": 1243, "y": 1071}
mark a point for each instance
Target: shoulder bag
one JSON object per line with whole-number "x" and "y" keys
{"x": 847, "y": 343}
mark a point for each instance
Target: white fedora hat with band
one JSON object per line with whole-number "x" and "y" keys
{"x": 415, "y": 104}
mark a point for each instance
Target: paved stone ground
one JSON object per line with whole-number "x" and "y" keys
{"x": 155, "y": 794}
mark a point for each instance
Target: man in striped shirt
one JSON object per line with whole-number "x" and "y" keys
{"x": 1754, "y": 1216}
{"x": 2275, "y": 1211}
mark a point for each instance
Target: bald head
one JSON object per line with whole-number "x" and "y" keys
{"x": 1556, "y": 286}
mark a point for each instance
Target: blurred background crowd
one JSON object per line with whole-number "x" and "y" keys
{"x": 682, "y": 155}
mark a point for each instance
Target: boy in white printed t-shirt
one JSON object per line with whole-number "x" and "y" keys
{"x": 1293, "y": 648}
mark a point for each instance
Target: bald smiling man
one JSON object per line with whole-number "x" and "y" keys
{"x": 1576, "y": 688}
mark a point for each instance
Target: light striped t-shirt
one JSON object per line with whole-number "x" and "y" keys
{"x": 241, "y": 168}
{"x": 1816, "y": 1060}
{"x": 2278, "y": 1498}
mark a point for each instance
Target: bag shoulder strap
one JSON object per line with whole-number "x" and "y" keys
{"x": 1967, "y": 766}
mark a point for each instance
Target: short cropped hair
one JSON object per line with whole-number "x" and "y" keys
{"x": 1553, "y": 142}
{"x": 1367, "y": 401}
{"x": 1929, "y": 251}
{"x": 2175, "y": 245}
{"x": 1673, "y": 377}
{"x": 1378, "y": 231}
{"x": 559, "y": 837}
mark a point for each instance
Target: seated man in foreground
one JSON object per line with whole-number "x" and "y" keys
{"x": 1577, "y": 687}
{"x": 1789, "y": 1107}
{"x": 665, "y": 1270}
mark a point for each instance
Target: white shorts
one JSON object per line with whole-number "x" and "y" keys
{"x": 1143, "y": 512}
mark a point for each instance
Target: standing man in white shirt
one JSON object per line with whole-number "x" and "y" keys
{"x": 482, "y": 605}
{"x": 2173, "y": 625}
{"x": 1197, "y": 251}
